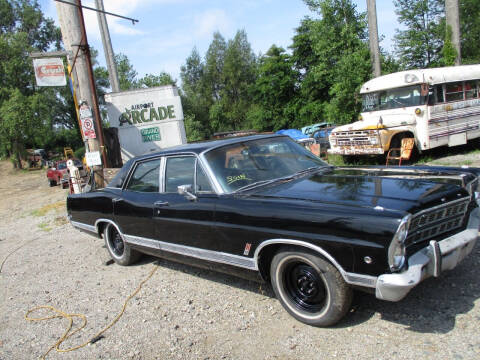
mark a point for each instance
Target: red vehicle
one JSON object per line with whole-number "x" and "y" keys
{"x": 59, "y": 173}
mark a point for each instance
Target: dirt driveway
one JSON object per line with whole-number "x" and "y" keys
{"x": 187, "y": 313}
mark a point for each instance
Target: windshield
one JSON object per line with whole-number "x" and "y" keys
{"x": 393, "y": 98}
{"x": 241, "y": 164}
{"x": 62, "y": 165}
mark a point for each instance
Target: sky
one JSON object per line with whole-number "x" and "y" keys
{"x": 168, "y": 30}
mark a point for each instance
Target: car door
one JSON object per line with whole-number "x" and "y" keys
{"x": 134, "y": 207}
{"x": 178, "y": 218}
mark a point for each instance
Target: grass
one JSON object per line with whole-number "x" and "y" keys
{"x": 60, "y": 205}
{"x": 44, "y": 226}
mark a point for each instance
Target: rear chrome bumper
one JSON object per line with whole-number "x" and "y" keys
{"x": 430, "y": 261}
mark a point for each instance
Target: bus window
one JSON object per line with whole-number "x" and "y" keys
{"x": 454, "y": 91}
{"x": 439, "y": 91}
{"x": 471, "y": 90}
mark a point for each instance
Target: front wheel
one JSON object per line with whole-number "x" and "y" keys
{"x": 310, "y": 288}
{"x": 120, "y": 251}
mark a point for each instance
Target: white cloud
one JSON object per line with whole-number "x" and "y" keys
{"x": 210, "y": 21}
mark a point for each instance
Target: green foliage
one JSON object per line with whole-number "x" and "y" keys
{"x": 470, "y": 31}
{"x": 151, "y": 80}
{"x": 216, "y": 92}
{"x": 126, "y": 73}
{"x": 80, "y": 152}
{"x": 420, "y": 44}
{"x": 273, "y": 91}
{"x": 331, "y": 54}
{"x": 449, "y": 53}
{"x": 26, "y": 113}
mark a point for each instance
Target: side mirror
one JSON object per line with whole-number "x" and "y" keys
{"x": 186, "y": 190}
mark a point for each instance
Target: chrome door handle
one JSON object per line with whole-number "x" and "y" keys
{"x": 160, "y": 203}
{"x": 116, "y": 200}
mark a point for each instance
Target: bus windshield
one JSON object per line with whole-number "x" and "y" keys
{"x": 393, "y": 98}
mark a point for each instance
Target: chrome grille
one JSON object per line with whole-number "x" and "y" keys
{"x": 354, "y": 138}
{"x": 438, "y": 220}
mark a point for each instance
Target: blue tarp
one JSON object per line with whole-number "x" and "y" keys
{"x": 293, "y": 133}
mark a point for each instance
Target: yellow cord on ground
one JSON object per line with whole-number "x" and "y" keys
{"x": 68, "y": 332}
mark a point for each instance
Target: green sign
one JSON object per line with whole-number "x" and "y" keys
{"x": 150, "y": 134}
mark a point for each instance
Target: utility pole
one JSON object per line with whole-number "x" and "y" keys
{"x": 75, "y": 39}
{"x": 453, "y": 21}
{"x": 373, "y": 37}
{"x": 107, "y": 47}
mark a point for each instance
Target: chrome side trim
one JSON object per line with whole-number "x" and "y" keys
{"x": 303, "y": 244}
{"x": 203, "y": 254}
{"x": 109, "y": 222}
{"x": 361, "y": 280}
{"x": 83, "y": 226}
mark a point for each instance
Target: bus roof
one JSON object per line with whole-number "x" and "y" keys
{"x": 431, "y": 76}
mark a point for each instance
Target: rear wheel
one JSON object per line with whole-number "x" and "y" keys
{"x": 310, "y": 288}
{"x": 52, "y": 182}
{"x": 120, "y": 251}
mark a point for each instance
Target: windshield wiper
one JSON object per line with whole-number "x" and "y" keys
{"x": 264, "y": 182}
{"x": 308, "y": 170}
{"x": 280, "y": 179}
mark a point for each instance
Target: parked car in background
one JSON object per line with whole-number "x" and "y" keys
{"x": 58, "y": 174}
{"x": 265, "y": 208}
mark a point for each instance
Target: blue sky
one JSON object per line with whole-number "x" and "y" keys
{"x": 168, "y": 30}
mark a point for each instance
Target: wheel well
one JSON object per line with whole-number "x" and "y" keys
{"x": 101, "y": 226}
{"x": 266, "y": 255}
{"x": 400, "y": 136}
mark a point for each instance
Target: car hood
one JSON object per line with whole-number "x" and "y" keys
{"x": 401, "y": 190}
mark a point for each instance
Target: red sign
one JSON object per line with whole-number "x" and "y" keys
{"x": 49, "y": 72}
{"x": 86, "y": 119}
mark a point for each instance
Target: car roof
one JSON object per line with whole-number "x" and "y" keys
{"x": 200, "y": 147}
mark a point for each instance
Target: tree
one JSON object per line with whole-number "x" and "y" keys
{"x": 273, "y": 91}
{"x": 213, "y": 70}
{"x": 126, "y": 73}
{"x": 151, "y": 80}
{"x": 238, "y": 73}
{"x": 25, "y": 118}
{"x": 470, "y": 31}
{"x": 196, "y": 99}
{"x": 331, "y": 53}
{"x": 420, "y": 44}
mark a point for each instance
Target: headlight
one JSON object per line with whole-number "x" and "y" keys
{"x": 374, "y": 141}
{"x": 396, "y": 250}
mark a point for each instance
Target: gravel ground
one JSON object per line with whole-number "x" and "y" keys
{"x": 186, "y": 313}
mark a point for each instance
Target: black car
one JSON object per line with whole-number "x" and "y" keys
{"x": 264, "y": 207}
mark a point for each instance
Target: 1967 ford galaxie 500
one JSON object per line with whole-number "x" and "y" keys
{"x": 262, "y": 206}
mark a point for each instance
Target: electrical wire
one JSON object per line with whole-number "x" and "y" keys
{"x": 69, "y": 331}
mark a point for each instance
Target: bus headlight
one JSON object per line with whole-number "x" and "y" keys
{"x": 397, "y": 250}
{"x": 373, "y": 141}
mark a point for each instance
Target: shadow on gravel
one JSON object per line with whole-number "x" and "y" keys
{"x": 211, "y": 275}
{"x": 431, "y": 307}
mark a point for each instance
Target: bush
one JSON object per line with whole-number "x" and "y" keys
{"x": 79, "y": 153}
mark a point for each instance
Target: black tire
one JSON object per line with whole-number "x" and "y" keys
{"x": 310, "y": 288}
{"x": 120, "y": 251}
{"x": 52, "y": 183}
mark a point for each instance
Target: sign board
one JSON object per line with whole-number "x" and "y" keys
{"x": 49, "y": 72}
{"x": 86, "y": 119}
{"x": 150, "y": 134}
{"x": 147, "y": 119}
{"x": 93, "y": 158}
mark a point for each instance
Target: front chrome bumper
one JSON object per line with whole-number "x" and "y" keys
{"x": 430, "y": 261}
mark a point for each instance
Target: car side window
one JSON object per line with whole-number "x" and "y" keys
{"x": 179, "y": 171}
{"x": 146, "y": 177}
{"x": 202, "y": 181}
